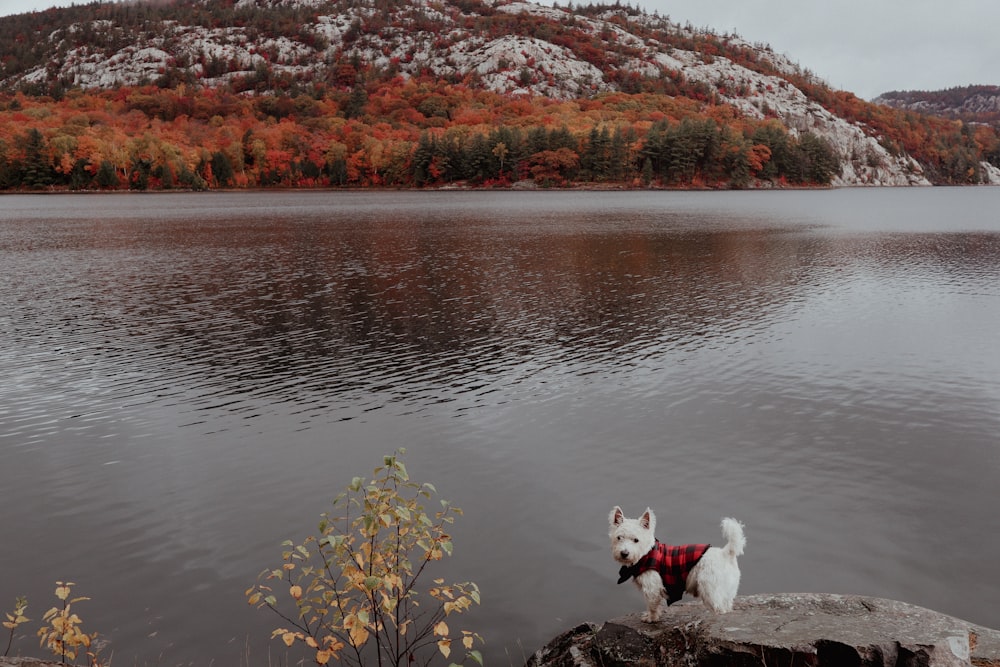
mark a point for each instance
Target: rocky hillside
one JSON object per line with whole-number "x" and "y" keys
{"x": 511, "y": 48}
{"x": 968, "y": 103}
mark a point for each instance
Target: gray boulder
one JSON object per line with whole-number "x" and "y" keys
{"x": 784, "y": 629}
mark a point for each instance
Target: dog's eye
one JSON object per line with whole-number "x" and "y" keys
{"x": 636, "y": 540}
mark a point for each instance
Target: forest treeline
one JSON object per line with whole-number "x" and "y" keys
{"x": 396, "y": 134}
{"x": 426, "y": 132}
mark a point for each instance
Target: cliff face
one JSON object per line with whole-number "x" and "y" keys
{"x": 785, "y": 629}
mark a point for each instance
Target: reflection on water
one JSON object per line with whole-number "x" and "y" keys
{"x": 186, "y": 377}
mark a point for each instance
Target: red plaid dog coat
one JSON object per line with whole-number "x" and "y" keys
{"x": 673, "y": 563}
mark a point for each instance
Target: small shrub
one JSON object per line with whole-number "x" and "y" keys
{"x": 354, "y": 586}
{"x": 15, "y": 619}
{"x": 63, "y": 635}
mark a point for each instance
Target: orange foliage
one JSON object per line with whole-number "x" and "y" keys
{"x": 151, "y": 137}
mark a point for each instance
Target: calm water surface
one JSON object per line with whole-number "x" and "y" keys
{"x": 185, "y": 379}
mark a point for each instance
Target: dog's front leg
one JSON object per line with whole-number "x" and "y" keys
{"x": 652, "y": 590}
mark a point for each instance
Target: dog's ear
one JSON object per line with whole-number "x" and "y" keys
{"x": 648, "y": 519}
{"x": 616, "y": 517}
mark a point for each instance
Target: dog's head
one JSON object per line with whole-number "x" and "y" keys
{"x": 631, "y": 539}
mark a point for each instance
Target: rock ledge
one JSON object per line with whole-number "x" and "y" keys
{"x": 783, "y": 629}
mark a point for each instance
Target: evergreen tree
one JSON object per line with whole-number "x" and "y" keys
{"x": 37, "y": 172}
{"x": 355, "y": 106}
{"x": 819, "y": 160}
{"x": 618, "y": 156}
{"x": 478, "y": 159}
{"x": 222, "y": 169}
{"x": 775, "y": 137}
{"x": 141, "y": 169}
{"x": 107, "y": 176}
{"x": 647, "y": 172}
{"x": 422, "y": 158}
{"x": 79, "y": 177}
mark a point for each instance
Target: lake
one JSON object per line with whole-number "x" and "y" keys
{"x": 189, "y": 378}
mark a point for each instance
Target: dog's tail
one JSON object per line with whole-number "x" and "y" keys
{"x": 732, "y": 530}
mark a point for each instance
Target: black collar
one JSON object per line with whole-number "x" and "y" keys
{"x": 626, "y": 572}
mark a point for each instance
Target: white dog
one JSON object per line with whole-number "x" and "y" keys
{"x": 661, "y": 570}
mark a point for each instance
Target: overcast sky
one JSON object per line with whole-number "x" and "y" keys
{"x": 864, "y": 46}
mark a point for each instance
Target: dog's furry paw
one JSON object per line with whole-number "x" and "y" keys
{"x": 650, "y": 617}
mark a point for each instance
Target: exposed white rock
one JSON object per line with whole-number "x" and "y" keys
{"x": 864, "y": 160}
{"x": 991, "y": 174}
{"x": 515, "y": 64}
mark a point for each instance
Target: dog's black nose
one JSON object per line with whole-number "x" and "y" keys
{"x": 624, "y": 554}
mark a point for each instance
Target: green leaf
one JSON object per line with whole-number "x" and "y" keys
{"x": 477, "y": 656}
{"x": 447, "y": 546}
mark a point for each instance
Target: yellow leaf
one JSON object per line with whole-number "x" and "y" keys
{"x": 359, "y": 635}
{"x": 288, "y": 638}
{"x": 444, "y": 646}
{"x": 311, "y": 643}
{"x": 322, "y": 657}
{"x": 467, "y": 641}
{"x": 441, "y": 630}
{"x": 295, "y": 592}
{"x": 62, "y": 592}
